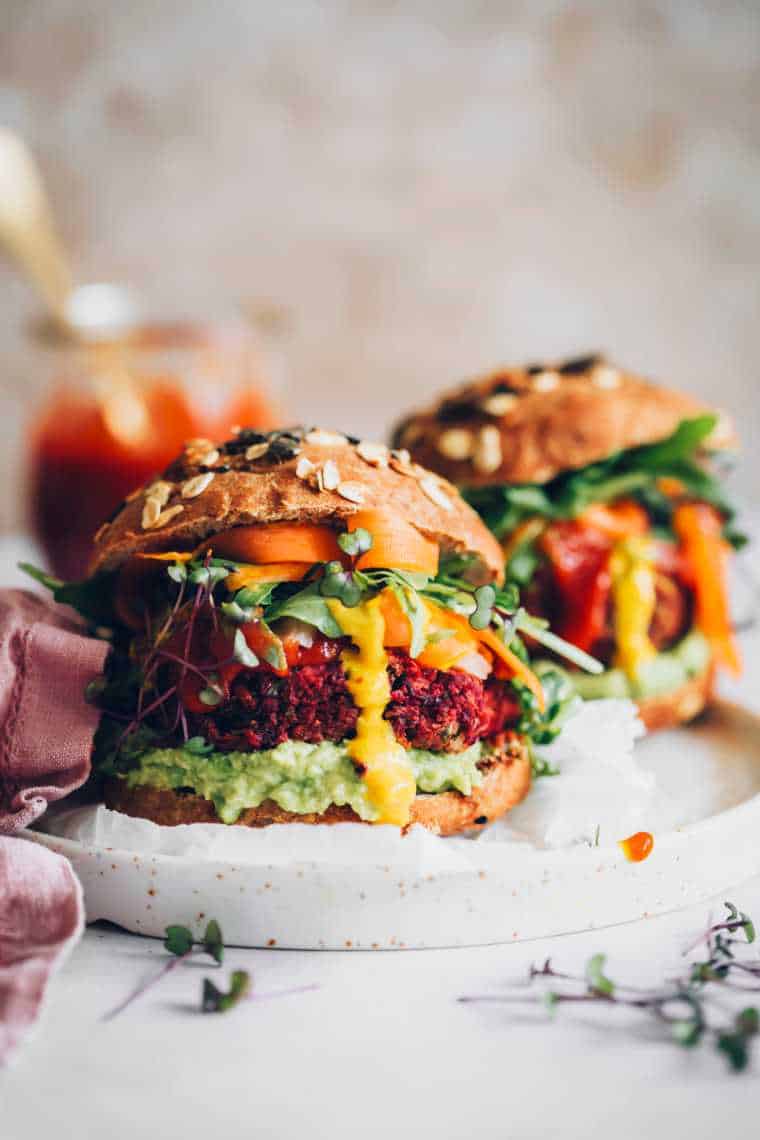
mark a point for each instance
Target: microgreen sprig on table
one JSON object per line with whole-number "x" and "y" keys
{"x": 685, "y": 1006}
{"x": 181, "y": 945}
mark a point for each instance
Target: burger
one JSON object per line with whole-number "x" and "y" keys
{"x": 307, "y": 627}
{"x": 603, "y": 491}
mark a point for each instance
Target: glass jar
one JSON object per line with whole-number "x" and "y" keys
{"x": 120, "y": 410}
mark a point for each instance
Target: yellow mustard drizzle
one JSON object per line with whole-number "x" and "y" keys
{"x": 633, "y": 591}
{"x": 387, "y": 774}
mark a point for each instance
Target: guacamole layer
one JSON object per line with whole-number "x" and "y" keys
{"x": 662, "y": 674}
{"x": 299, "y": 777}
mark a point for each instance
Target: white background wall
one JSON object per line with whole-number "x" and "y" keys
{"x": 431, "y": 188}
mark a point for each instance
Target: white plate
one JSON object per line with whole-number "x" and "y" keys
{"x": 423, "y": 892}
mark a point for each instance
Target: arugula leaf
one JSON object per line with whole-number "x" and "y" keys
{"x": 560, "y": 702}
{"x": 310, "y": 607}
{"x": 90, "y": 598}
{"x": 634, "y": 473}
{"x": 410, "y": 603}
{"x": 685, "y": 441}
{"x": 247, "y": 601}
{"x": 242, "y": 652}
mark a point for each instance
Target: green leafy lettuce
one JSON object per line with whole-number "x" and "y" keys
{"x": 626, "y": 474}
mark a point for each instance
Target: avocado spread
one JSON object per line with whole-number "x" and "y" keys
{"x": 299, "y": 777}
{"x": 661, "y": 674}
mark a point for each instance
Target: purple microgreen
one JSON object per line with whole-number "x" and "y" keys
{"x": 177, "y": 572}
{"x": 355, "y": 542}
{"x": 208, "y": 576}
{"x": 736, "y": 920}
{"x": 341, "y": 584}
{"x": 689, "y": 1008}
{"x": 214, "y": 1000}
{"x": 179, "y": 942}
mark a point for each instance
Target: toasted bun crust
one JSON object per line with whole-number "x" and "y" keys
{"x": 527, "y": 425}
{"x": 210, "y": 488}
{"x": 680, "y": 706}
{"x": 506, "y": 782}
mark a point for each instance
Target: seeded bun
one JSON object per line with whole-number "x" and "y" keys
{"x": 527, "y": 425}
{"x": 506, "y": 782}
{"x": 668, "y": 710}
{"x": 289, "y": 476}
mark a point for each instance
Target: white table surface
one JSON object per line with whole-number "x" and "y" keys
{"x": 382, "y": 1048}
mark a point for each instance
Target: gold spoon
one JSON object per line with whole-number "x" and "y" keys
{"x": 28, "y": 234}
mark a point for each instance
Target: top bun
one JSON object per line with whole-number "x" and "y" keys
{"x": 292, "y": 475}
{"x": 527, "y": 425}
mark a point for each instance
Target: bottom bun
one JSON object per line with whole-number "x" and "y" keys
{"x": 506, "y": 781}
{"x": 678, "y": 706}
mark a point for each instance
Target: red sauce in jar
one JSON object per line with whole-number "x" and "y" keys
{"x": 95, "y": 442}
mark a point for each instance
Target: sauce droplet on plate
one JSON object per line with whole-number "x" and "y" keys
{"x": 637, "y": 847}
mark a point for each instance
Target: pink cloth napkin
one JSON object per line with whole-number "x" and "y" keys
{"x": 46, "y": 731}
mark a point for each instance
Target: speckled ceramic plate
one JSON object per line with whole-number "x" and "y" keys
{"x": 426, "y": 892}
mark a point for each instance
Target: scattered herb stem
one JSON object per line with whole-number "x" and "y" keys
{"x": 181, "y": 945}
{"x": 686, "y": 1006}
{"x": 148, "y": 984}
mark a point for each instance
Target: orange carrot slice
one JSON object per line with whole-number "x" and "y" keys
{"x": 699, "y": 528}
{"x": 276, "y": 542}
{"x": 396, "y": 544}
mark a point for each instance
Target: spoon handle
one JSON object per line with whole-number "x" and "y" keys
{"x": 27, "y": 229}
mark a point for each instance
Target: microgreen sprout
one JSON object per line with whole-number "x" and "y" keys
{"x": 208, "y": 575}
{"x": 181, "y": 945}
{"x": 341, "y": 584}
{"x": 688, "y": 1007}
{"x": 214, "y": 1000}
{"x": 597, "y": 980}
{"x": 355, "y": 542}
{"x": 482, "y": 615}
